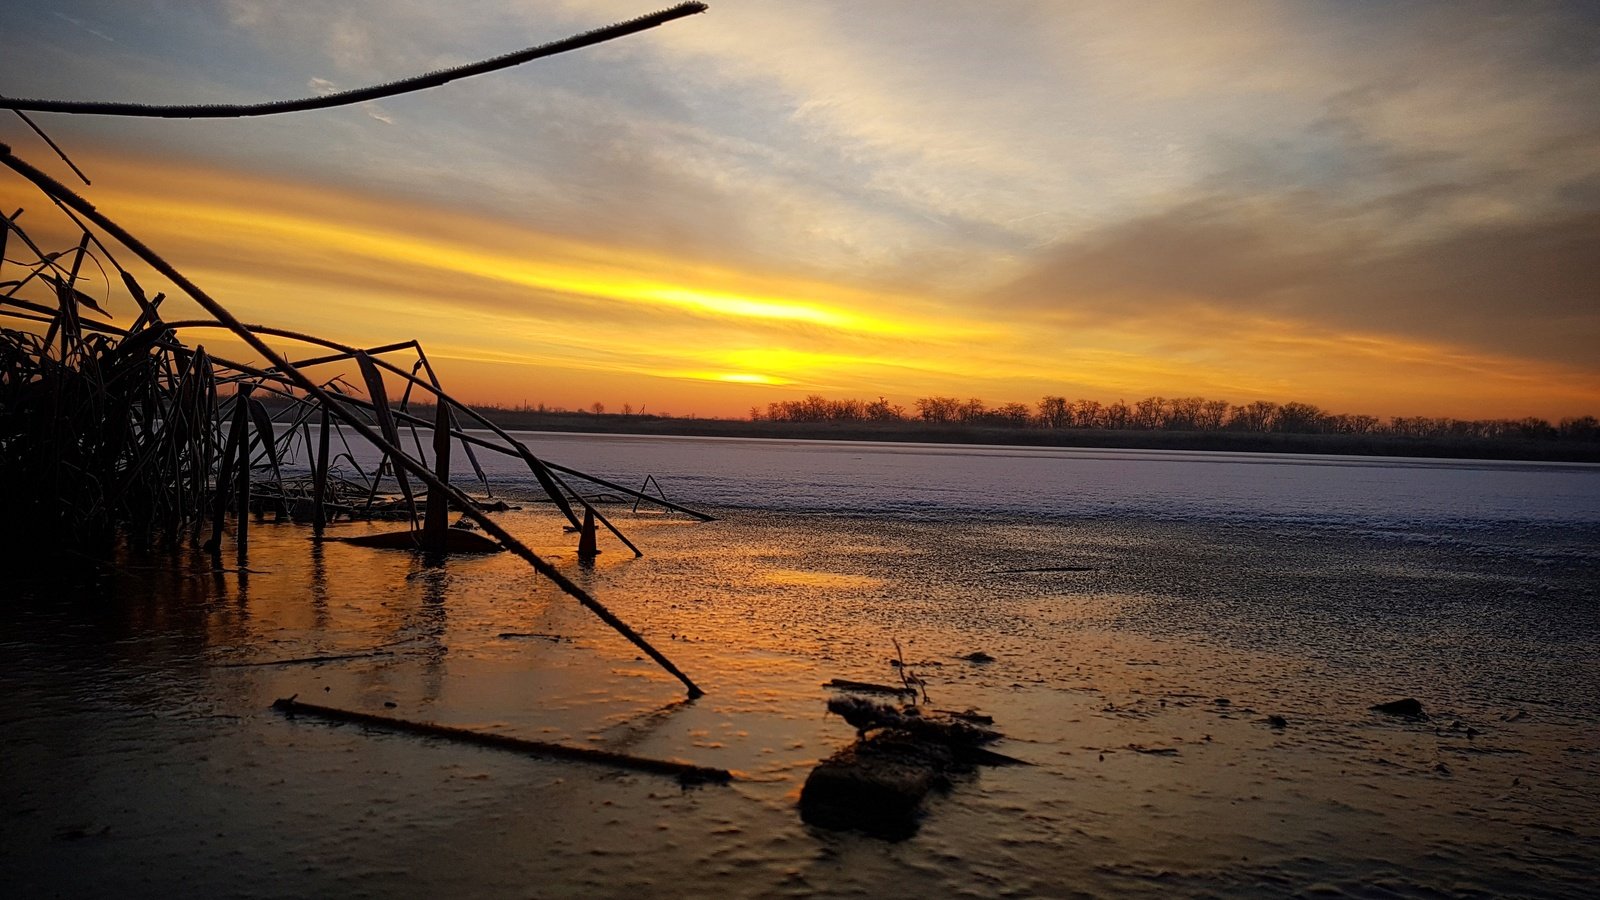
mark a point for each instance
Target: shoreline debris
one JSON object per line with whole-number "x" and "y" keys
{"x": 867, "y": 687}
{"x": 686, "y": 773}
{"x": 876, "y": 784}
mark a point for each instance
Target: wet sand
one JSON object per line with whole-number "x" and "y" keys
{"x": 1136, "y": 664}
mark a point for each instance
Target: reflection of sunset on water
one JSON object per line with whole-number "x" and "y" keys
{"x": 821, "y": 580}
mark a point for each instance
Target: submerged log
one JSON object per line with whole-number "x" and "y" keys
{"x": 686, "y": 773}
{"x": 876, "y": 785}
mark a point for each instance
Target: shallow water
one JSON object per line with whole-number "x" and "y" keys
{"x": 1124, "y": 595}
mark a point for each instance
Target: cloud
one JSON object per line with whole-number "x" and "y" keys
{"x": 1529, "y": 289}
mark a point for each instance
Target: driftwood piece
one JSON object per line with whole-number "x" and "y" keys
{"x": 867, "y": 687}
{"x": 687, "y": 773}
{"x": 868, "y": 716}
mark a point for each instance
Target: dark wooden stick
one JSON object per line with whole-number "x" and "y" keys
{"x": 53, "y": 146}
{"x": 436, "y": 520}
{"x": 359, "y": 95}
{"x": 241, "y": 418}
{"x": 684, "y": 772}
{"x": 319, "y": 480}
{"x": 225, "y": 476}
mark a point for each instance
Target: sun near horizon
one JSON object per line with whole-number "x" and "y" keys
{"x": 1239, "y": 207}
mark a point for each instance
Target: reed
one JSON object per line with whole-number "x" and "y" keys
{"x": 107, "y": 431}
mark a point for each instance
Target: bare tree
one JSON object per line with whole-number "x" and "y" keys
{"x": 938, "y": 409}
{"x": 1054, "y": 412}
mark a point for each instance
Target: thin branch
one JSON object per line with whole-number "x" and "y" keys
{"x": 53, "y": 146}
{"x": 358, "y": 95}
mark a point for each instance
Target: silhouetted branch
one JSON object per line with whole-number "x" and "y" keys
{"x": 53, "y": 145}
{"x": 358, "y": 95}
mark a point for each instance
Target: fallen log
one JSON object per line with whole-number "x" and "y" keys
{"x": 687, "y": 773}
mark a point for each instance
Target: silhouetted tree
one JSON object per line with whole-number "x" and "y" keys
{"x": 881, "y": 410}
{"x": 1258, "y": 415}
{"x": 1150, "y": 412}
{"x": 1012, "y": 414}
{"x": 1298, "y": 418}
{"x": 1054, "y": 412}
{"x": 938, "y": 409}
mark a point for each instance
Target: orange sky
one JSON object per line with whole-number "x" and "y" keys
{"x": 861, "y": 242}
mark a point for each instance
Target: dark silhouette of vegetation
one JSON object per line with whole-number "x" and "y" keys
{"x": 1180, "y": 414}
{"x": 107, "y": 430}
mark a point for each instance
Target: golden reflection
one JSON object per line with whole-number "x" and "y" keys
{"x": 813, "y": 579}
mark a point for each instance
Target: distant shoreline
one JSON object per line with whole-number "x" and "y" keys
{"x": 924, "y": 432}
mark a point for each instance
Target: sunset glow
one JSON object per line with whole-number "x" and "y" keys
{"x": 871, "y": 226}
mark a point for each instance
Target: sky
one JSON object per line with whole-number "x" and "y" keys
{"x": 1378, "y": 208}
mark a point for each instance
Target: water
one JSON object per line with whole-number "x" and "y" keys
{"x": 1123, "y": 595}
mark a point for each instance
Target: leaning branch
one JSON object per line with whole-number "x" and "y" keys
{"x": 358, "y": 95}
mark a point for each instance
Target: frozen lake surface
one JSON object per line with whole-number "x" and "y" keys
{"x": 944, "y": 482}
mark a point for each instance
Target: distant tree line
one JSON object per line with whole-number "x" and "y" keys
{"x": 1171, "y": 414}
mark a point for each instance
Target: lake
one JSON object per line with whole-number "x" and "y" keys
{"x": 1147, "y": 611}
